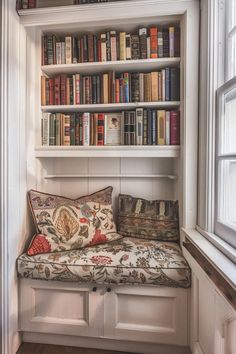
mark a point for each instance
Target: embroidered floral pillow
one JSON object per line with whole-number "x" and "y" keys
{"x": 65, "y": 224}
{"x": 150, "y": 219}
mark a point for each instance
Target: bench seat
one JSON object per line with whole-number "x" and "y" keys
{"x": 124, "y": 261}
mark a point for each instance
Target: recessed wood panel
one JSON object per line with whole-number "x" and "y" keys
{"x": 64, "y": 305}
{"x": 142, "y": 311}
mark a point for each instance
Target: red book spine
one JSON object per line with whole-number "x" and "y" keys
{"x": 51, "y": 92}
{"x": 90, "y": 48}
{"x": 153, "y": 42}
{"x": 174, "y": 128}
{"x": 100, "y": 130}
{"x": 63, "y": 89}
{"x": 57, "y": 85}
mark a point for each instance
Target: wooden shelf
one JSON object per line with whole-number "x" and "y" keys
{"x": 110, "y": 107}
{"x": 120, "y": 65}
{"x": 108, "y": 151}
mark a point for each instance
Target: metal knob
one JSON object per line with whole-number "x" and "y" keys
{"x": 108, "y": 290}
{"x": 94, "y": 289}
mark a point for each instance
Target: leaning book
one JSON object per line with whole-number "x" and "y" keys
{"x": 112, "y": 125}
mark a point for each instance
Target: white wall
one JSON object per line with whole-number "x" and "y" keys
{"x": 13, "y": 169}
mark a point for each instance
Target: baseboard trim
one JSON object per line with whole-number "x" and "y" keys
{"x": 104, "y": 343}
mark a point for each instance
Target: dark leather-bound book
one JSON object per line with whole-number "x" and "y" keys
{"x": 165, "y": 36}
{"x": 135, "y": 97}
{"x": 135, "y": 47}
{"x": 174, "y": 84}
{"x": 177, "y": 42}
{"x": 143, "y": 43}
{"x": 174, "y": 128}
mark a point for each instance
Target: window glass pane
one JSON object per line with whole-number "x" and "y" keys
{"x": 227, "y": 193}
{"x": 231, "y": 56}
{"x": 227, "y": 130}
{"x": 231, "y": 14}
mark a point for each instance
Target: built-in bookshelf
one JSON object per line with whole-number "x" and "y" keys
{"x": 32, "y": 4}
{"x": 130, "y": 77}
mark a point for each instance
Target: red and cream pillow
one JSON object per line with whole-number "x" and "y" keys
{"x": 65, "y": 224}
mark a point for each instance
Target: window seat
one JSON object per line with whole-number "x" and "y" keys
{"x": 124, "y": 261}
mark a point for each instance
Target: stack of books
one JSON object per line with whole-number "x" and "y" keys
{"x": 139, "y": 127}
{"x": 163, "y": 85}
{"x": 146, "y": 43}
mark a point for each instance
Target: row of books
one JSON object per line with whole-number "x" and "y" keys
{"x": 111, "y": 87}
{"x": 31, "y": 4}
{"x": 138, "y": 127}
{"x": 153, "y": 42}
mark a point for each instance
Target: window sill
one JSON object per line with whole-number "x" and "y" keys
{"x": 222, "y": 264}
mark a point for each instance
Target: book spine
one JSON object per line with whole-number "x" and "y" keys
{"x": 122, "y": 45}
{"x": 52, "y": 129}
{"x": 174, "y": 84}
{"x": 171, "y": 41}
{"x": 161, "y": 125}
{"x": 77, "y": 129}
{"x": 174, "y": 128}
{"x": 126, "y": 128}
{"x": 66, "y": 138}
{"x": 81, "y": 130}
{"x": 108, "y": 46}
{"x": 57, "y": 83}
{"x": 160, "y": 86}
{"x": 45, "y": 129}
{"x": 160, "y": 44}
{"x": 139, "y": 126}
{"x": 63, "y": 53}
{"x": 141, "y": 87}
{"x": 50, "y": 54}
{"x": 63, "y": 89}
{"x": 128, "y": 46}
{"x": 68, "y": 47}
{"x": 100, "y": 129}
{"x": 177, "y": 42}
{"x": 153, "y": 43}
{"x": 135, "y": 96}
{"x": 77, "y": 88}
{"x": 58, "y": 53}
{"x": 58, "y": 129}
{"x": 149, "y": 127}
{"x": 51, "y": 91}
{"x": 163, "y": 78}
{"x": 132, "y": 128}
{"x": 105, "y": 88}
{"x": 148, "y": 47}
{"x": 90, "y": 48}
{"x": 167, "y": 127}
{"x": 95, "y": 47}
{"x": 85, "y": 48}
{"x": 167, "y": 84}
{"x": 154, "y": 84}
{"x": 103, "y": 47}
{"x": 126, "y": 88}
{"x": 145, "y": 127}
{"x": 165, "y": 35}
{"x": 43, "y": 90}
{"x": 113, "y": 46}
{"x": 143, "y": 43}
{"x": 74, "y": 50}
{"x": 72, "y": 129}
{"x": 154, "y": 128}
{"x": 86, "y": 129}
{"x": 135, "y": 49}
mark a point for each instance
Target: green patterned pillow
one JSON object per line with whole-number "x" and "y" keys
{"x": 150, "y": 219}
{"x": 64, "y": 224}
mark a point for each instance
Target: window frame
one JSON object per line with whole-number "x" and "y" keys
{"x": 221, "y": 229}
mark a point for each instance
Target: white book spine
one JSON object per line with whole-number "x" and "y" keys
{"x": 163, "y": 76}
{"x": 113, "y": 46}
{"x": 128, "y": 46}
{"x": 139, "y": 126}
{"x": 86, "y": 129}
{"x": 148, "y": 48}
{"x": 167, "y": 128}
{"x": 63, "y": 53}
{"x": 45, "y": 128}
{"x": 103, "y": 47}
{"x": 68, "y": 44}
{"x": 58, "y": 53}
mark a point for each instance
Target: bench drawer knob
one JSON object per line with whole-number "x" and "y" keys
{"x": 94, "y": 289}
{"x": 108, "y": 290}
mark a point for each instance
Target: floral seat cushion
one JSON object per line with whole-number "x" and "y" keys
{"x": 127, "y": 261}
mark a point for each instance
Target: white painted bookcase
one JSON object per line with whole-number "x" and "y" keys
{"x": 156, "y": 318}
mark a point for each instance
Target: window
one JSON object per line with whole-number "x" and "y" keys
{"x": 225, "y": 216}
